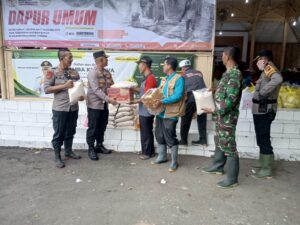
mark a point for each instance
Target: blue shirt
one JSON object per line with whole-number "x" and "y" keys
{"x": 176, "y": 96}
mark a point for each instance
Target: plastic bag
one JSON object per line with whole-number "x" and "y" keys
{"x": 246, "y": 99}
{"x": 125, "y": 84}
{"x": 76, "y": 92}
{"x": 149, "y": 98}
{"x": 204, "y": 99}
{"x": 289, "y": 97}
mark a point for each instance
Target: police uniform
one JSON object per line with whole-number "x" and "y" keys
{"x": 227, "y": 99}
{"x": 97, "y": 106}
{"x": 193, "y": 81}
{"x": 40, "y": 80}
{"x": 65, "y": 115}
{"x": 264, "y": 111}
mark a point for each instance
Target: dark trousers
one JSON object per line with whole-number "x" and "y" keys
{"x": 262, "y": 125}
{"x": 147, "y": 137}
{"x": 165, "y": 131}
{"x": 186, "y": 121}
{"x": 64, "y": 125}
{"x": 97, "y": 122}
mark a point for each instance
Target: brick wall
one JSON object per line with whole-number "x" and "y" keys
{"x": 28, "y": 124}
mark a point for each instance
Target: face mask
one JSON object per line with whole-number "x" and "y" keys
{"x": 261, "y": 64}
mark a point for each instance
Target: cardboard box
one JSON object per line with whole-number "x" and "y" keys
{"x": 122, "y": 95}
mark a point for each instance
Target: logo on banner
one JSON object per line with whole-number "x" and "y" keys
{"x": 11, "y": 3}
{"x": 45, "y": 2}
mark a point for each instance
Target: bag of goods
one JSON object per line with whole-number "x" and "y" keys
{"x": 76, "y": 92}
{"x": 246, "y": 99}
{"x": 122, "y": 95}
{"x": 150, "y": 97}
{"x": 204, "y": 99}
{"x": 289, "y": 96}
{"x": 125, "y": 84}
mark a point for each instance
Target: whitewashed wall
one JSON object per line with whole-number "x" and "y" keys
{"x": 28, "y": 124}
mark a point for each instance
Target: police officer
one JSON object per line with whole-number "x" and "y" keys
{"x": 193, "y": 81}
{"x": 40, "y": 80}
{"x": 99, "y": 80}
{"x": 227, "y": 99}
{"x": 58, "y": 81}
{"x": 264, "y": 111}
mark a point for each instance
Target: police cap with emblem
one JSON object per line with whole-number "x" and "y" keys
{"x": 264, "y": 53}
{"x": 99, "y": 54}
{"x": 46, "y": 63}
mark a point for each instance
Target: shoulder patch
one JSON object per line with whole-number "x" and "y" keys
{"x": 270, "y": 70}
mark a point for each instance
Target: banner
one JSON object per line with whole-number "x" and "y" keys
{"x": 31, "y": 66}
{"x": 171, "y": 25}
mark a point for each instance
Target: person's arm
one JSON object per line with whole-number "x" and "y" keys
{"x": 178, "y": 93}
{"x": 276, "y": 79}
{"x": 93, "y": 83}
{"x": 50, "y": 86}
{"x": 225, "y": 102}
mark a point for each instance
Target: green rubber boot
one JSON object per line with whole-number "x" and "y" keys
{"x": 174, "y": 155}
{"x": 232, "y": 174}
{"x": 218, "y": 163}
{"x": 162, "y": 154}
{"x": 258, "y": 163}
{"x": 267, "y": 167}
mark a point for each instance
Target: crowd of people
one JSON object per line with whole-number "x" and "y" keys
{"x": 178, "y": 102}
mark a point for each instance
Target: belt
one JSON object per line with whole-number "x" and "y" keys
{"x": 273, "y": 101}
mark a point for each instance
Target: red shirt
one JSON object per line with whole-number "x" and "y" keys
{"x": 150, "y": 82}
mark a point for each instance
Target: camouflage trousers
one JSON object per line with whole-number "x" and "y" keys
{"x": 225, "y": 134}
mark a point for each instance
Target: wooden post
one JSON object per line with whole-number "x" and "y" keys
{"x": 285, "y": 32}
{"x": 257, "y": 8}
{"x": 2, "y": 59}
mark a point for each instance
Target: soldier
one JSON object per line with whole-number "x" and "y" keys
{"x": 40, "y": 80}
{"x": 193, "y": 80}
{"x": 99, "y": 80}
{"x": 174, "y": 101}
{"x": 227, "y": 98}
{"x": 58, "y": 81}
{"x": 264, "y": 111}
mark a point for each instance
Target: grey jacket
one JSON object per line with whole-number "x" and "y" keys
{"x": 98, "y": 83}
{"x": 61, "y": 100}
{"x": 267, "y": 87}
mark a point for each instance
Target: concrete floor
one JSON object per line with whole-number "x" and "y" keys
{"x": 120, "y": 189}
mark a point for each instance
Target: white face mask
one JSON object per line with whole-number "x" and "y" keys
{"x": 261, "y": 64}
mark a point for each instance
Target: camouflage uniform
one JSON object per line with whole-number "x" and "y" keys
{"x": 227, "y": 98}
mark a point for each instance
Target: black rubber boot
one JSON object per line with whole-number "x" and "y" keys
{"x": 93, "y": 154}
{"x": 68, "y": 150}
{"x": 101, "y": 149}
{"x": 201, "y": 142}
{"x": 59, "y": 163}
{"x": 232, "y": 174}
{"x": 218, "y": 163}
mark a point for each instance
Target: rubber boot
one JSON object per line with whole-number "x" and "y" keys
{"x": 258, "y": 163}
{"x": 68, "y": 150}
{"x": 59, "y": 163}
{"x": 174, "y": 155}
{"x": 232, "y": 174}
{"x": 92, "y": 153}
{"x": 162, "y": 154}
{"x": 267, "y": 162}
{"x": 218, "y": 163}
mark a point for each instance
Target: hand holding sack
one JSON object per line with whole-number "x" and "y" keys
{"x": 150, "y": 97}
{"x": 247, "y": 96}
{"x": 204, "y": 100}
{"x": 76, "y": 92}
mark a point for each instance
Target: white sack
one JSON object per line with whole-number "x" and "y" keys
{"x": 76, "y": 92}
{"x": 204, "y": 99}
